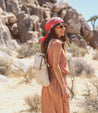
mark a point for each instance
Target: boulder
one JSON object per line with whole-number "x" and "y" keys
{"x": 11, "y": 18}
{"x": 35, "y": 20}
{"x": 54, "y": 14}
{"x": 25, "y": 9}
{"x": 94, "y": 41}
{"x": 12, "y": 6}
{"x": 63, "y": 14}
{"x": 24, "y": 23}
{"x": 41, "y": 2}
{"x": 46, "y": 13}
{"x": 36, "y": 24}
{"x": 83, "y": 43}
{"x": 14, "y": 29}
{"x": 29, "y": 2}
{"x": 71, "y": 18}
{"x": 5, "y": 35}
{"x": 32, "y": 37}
{"x": 78, "y": 40}
{"x": 48, "y": 5}
{"x": 3, "y": 4}
{"x": 59, "y": 6}
{"x": 3, "y": 79}
{"x": 86, "y": 31}
{"x": 37, "y": 10}
{"x": 73, "y": 26}
{"x": 12, "y": 65}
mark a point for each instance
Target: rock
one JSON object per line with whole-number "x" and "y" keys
{"x": 3, "y": 4}
{"x": 1, "y": 11}
{"x": 11, "y": 18}
{"x": 59, "y": 6}
{"x": 71, "y": 14}
{"x": 54, "y": 14}
{"x": 63, "y": 14}
{"x": 13, "y": 66}
{"x": 78, "y": 40}
{"x": 24, "y": 23}
{"x": 37, "y": 10}
{"x": 72, "y": 20}
{"x": 46, "y": 13}
{"x": 41, "y": 2}
{"x": 3, "y": 79}
{"x": 43, "y": 26}
{"x": 73, "y": 26}
{"x": 16, "y": 44}
{"x": 25, "y": 9}
{"x": 83, "y": 43}
{"x": 12, "y": 6}
{"x": 29, "y": 2}
{"x": 48, "y": 5}
{"x": 5, "y": 35}
{"x": 14, "y": 29}
{"x": 86, "y": 31}
{"x": 32, "y": 37}
{"x": 36, "y": 24}
{"x": 94, "y": 41}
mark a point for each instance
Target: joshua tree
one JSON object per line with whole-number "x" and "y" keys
{"x": 93, "y": 20}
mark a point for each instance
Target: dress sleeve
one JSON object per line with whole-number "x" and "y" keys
{"x": 57, "y": 46}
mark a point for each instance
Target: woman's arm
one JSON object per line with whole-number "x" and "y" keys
{"x": 57, "y": 46}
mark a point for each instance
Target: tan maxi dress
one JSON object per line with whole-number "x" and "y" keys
{"x": 52, "y": 98}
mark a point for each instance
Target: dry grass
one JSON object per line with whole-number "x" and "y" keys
{"x": 28, "y": 50}
{"x": 79, "y": 67}
{"x": 34, "y": 103}
{"x": 91, "y": 97}
{"x": 95, "y": 57}
{"x": 77, "y": 51}
{"x": 4, "y": 66}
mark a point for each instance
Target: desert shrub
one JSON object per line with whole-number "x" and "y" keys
{"x": 91, "y": 98}
{"x": 4, "y": 65}
{"x": 79, "y": 67}
{"x": 95, "y": 57}
{"x": 34, "y": 103}
{"x": 28, "y": 50}
{"x": 29, "y": 76}
{"x": 77, "y": 51}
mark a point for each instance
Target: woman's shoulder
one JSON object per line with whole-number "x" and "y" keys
{"x": 57, "y": 42}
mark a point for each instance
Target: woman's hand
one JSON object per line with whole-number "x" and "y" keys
{"x": 65, "y": 92}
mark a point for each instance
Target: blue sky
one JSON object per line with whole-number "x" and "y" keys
{"x": 87, "y": 8}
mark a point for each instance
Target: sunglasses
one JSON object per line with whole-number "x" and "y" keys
{"x": 61, "y": 26}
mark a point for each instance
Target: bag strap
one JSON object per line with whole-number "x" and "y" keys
{"x": 49, "y": 45}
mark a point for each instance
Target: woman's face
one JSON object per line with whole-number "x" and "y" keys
{"x": 60, "y": 30}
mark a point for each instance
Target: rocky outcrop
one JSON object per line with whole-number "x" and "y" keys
{"x": 24, "y": 24}
{"x": 5, "y": 35}
{"x": 78, "y": 40}
{"x": 12, "y": 6}
{"x": 3, "y": 4}
{"x": 25, "y": 20}
{"x": 41, "y": 2}
{"x": 94, "y": 41}
{"x": 11, "y": 65}
{"x": 59, "y": 6}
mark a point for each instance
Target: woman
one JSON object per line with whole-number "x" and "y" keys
{"x": 55, "y": 97}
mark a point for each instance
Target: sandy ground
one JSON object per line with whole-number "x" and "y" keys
{"x": 12, "y": 95}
